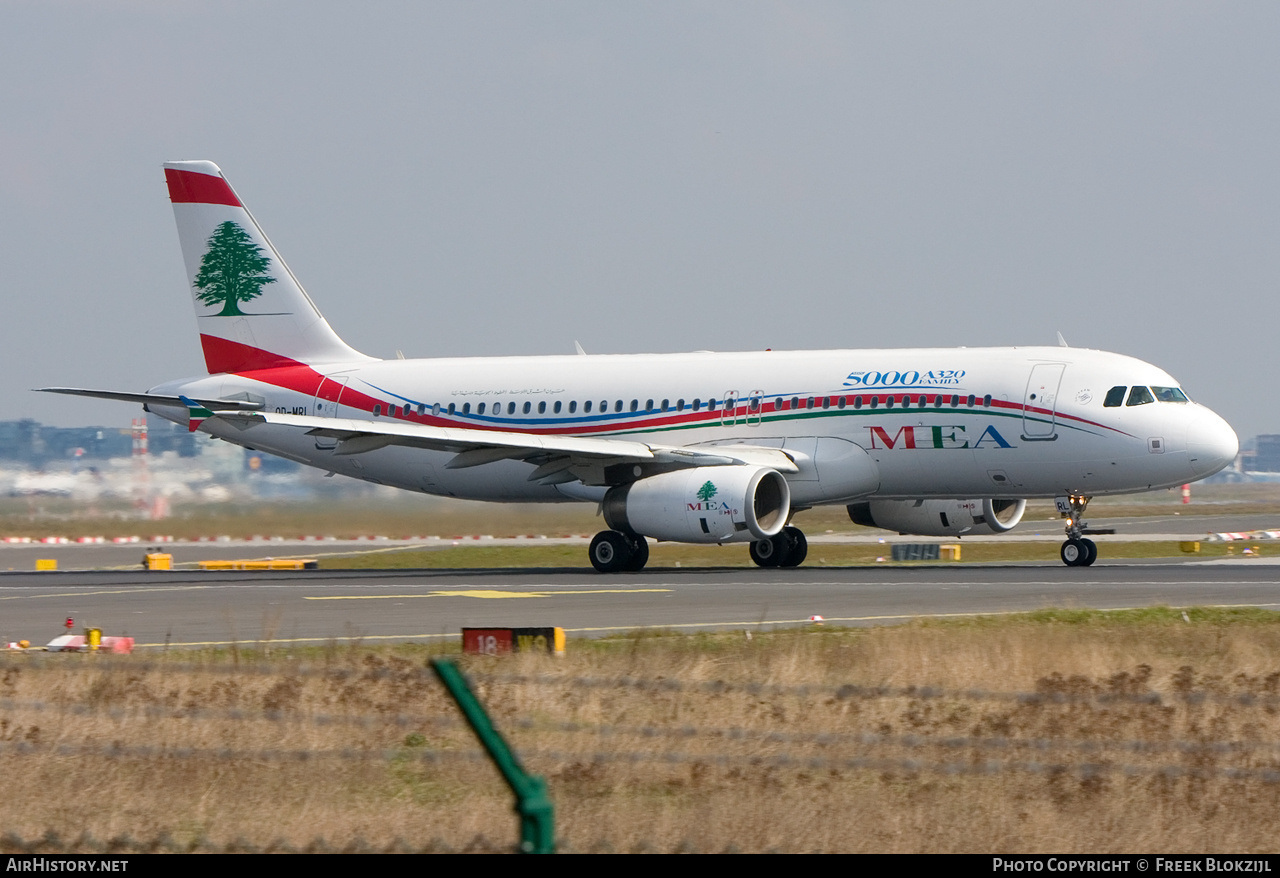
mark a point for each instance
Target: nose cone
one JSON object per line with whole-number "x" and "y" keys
{"x": 1211, "y": 444}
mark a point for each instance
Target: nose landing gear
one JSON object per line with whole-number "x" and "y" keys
{"x": 1078, "y": 550}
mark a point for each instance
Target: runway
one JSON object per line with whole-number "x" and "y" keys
{"x": 192, "y": 609}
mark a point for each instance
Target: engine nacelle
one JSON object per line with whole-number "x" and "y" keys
{"x": 706, "y": 504}
{"x": 939, "y": 518}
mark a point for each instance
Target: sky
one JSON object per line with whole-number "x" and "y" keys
{"x": 490, "y": 178}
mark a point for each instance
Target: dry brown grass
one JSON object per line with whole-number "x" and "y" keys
{"x": 1149, "y": 733}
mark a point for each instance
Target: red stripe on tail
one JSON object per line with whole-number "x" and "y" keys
{"x": 188, "y": 187}
{"x": 224, "y": 355}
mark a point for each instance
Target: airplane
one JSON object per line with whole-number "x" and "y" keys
{"x": 698, "y": 447}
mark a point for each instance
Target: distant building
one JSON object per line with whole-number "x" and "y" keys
{"x": 1266, "y": 455}
{"x": 34, "y": 444}
{"x": 165, "y": 436}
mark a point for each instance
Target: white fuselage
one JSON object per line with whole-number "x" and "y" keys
{"x": 938, "y": 423}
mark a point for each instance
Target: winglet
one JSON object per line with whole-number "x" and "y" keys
{"x": 196, "y": 413}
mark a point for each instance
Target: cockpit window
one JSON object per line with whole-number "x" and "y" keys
{"x": 1115, "y": 397}
{"x": 1169, "y": 394}
{"x": 1140, "y": 396}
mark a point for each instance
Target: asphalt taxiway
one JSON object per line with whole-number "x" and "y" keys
{"x": 184, "y": 609}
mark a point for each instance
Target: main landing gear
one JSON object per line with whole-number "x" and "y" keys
{"x": 787, "y": 549}
{"x": 613, "y": 551}
{"x": 1078, "y": 550}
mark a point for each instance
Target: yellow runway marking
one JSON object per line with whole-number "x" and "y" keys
{"x": 487, "y": 593}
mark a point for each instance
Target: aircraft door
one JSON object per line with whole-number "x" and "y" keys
{"x": 729, "y": 414}
{"x": 755, "y": 405}
{"x": 1040, "y": 402}
{"x": 326, "y": 404}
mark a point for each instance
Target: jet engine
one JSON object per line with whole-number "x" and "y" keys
{"x": 939, "y": 518}
{"x": 706, "y": 504}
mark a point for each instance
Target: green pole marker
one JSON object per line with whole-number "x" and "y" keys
{"x": 537, "y": 814}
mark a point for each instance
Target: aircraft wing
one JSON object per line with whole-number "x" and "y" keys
{"x": 559, "y": 458}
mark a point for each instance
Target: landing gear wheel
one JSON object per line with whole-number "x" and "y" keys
{"x": 639, "y": 553}
{"x": 1075, "y": 553}
{"x": 610, "y": 551}
{"x": 798, "y": 549}
{"x": 1092, "y": 548}
{"x": 772, "y": 552}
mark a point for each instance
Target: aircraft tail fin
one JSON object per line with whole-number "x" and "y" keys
{"x": 251, "y": 311}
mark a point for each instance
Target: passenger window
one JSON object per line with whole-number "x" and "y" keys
{"x": 1140, "y": 396}
{"x": 666, "y": 404}
{"x": 648, "y": 405}
{"x": 573, "y": 406}
{"x": 480, "y": 409}
{"x": 450, "y": 408}
{"x": 422, "y": 408}
{"x": 875, "y": 402}
{"x": 542, "y": 408}
{"x": 466, "y": 408}
{"x": 617, "y": 405}
{"x": 557, "y": 407}
{"x": 526, "y": 407}
{"x": 511, "y": 408}
{"x": 857, "y": 402}
{"x": 986, "y": 401}
{"x": 1169, "y": 394}
{"x": 1115, "y": 396}
{"x": 840, "y": 402}
{"x": 586, "y": 407}
{"x": 777, "y": 404}
{"x": 679, "y": 405}
{"x": 826, "y": 402}
{"x": 711, "y": 405}
{"x": 435, "y": 409}
{"x": 377, "y": 410}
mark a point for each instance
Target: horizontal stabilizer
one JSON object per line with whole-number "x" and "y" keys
{"x": 154, "y": 398}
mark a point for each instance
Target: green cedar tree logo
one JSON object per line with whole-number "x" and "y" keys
{"x": 706, "y": 492}
{"x": 233, "y": 270}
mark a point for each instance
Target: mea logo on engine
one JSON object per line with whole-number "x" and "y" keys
{"x": 722, "y": 508}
